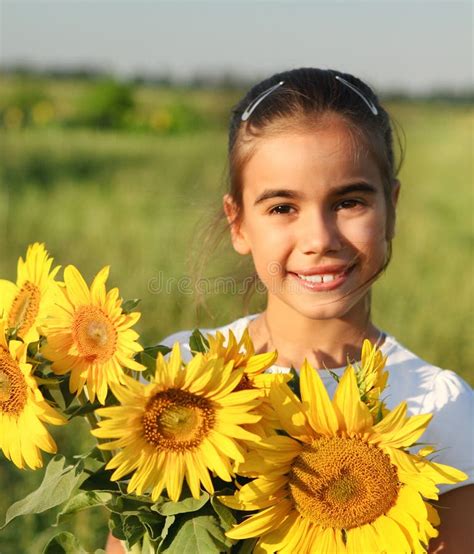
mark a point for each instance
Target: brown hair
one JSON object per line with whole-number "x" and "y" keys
{"x": 303, "y": 101}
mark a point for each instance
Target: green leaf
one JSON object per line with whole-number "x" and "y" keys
{"x": 154, "y": 350}
{"x": 99, "y": 481}
{"x": 83, "y": 501}
{"x": 196, "y": 534}
{"x": 129, "y": 305}
{"x": 127, "y": 528}
{"x": 197, "y": 342}
{"x": 149, "y": 363}
{"x": 64, "y": 543}
{"x": 166, "y": 527}
{"x": 116, "y": 526}
{"x": 130, "y": 504}
{"x": 56, "y": 487}
{"x": 148, "y": 356}
{"x": 225, "y": 515}
{"x": 190, "y": 504}
{"x": 92, "y": 454}
{"x": 132, "y": 529}
{"x": 153, "y": 523}
{"x": 75, "y": 411}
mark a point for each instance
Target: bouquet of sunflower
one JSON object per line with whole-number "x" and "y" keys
{"x": 208, "y": 455}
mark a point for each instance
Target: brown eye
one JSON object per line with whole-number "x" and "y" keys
{"x": 349, "y": 204}
{"x": 281, "y": 209}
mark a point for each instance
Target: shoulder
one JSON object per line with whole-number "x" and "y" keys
{"x": 425, "y": 386}
{"x": 430, "y": 389}
{"x": 182, "y": 337}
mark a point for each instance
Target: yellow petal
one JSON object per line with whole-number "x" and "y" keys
{"x": 441, "y": 473}
{"x": 78, "y": 291}
{"x": 393, "y": 421}
{"x": 175, "y": 474}
{"x": 296, "y": 536}
{"x": 290, "y": 412}
{"x": 262, "y": 522}
{"x": 260, "y": 362}
{"x": 410, "y": 501}
{"x": 192, "y": 477}
{"x": 276, "y": 540}
{"x": 355, "y": 414}
{"x": 408, "y": 526}
{"x": 362, "y": 539}
{"x": 320, "y": 412}
{"x": 409, "y": 433}
{"x": 392, "y": 537}
{"x": 98, "y": 286}
{"x": 227, "y": 446}
{"x": 263, "y": 489}
{"x": 219, "y": 464}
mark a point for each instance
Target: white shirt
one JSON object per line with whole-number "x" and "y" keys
{"x": 425, "y": 388}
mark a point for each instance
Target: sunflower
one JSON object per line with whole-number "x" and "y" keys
{"x": 242, "y": 353}
{"x": 339, "y": 482}
{"x": 22, "y": 408}
{"x": 185, "y": 423}
{"x": 26, "y": 304}
{"x": 89, "y": 335}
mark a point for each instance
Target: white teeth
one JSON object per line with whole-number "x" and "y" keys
{"x": 317, "y": 278}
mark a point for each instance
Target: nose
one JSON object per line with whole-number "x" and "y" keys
{"x": 319, "y": 233}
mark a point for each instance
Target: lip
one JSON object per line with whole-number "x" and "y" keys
{"x": 325, "y": 286}
{"x": 324, "y": 270}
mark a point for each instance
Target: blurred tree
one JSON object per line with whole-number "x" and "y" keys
{"x": 106, "y": 105}
{"x": 27, "y": 105}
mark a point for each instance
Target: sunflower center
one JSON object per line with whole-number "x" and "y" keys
{"x": 25, "y": 308}
{"x": 343, "y": 483}
{"x": 94, "y": 334}
{"x": 177, "y": 420}
{"x": 13, "y": 387}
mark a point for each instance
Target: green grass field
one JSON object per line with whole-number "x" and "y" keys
{"x": 136, "y": 200}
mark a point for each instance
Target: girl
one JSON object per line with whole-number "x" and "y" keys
{"x": 313, "y": 195}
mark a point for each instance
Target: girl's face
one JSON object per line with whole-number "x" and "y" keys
{"x": 314, "y": 219}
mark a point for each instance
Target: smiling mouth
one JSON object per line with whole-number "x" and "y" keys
{"x": 328, "y": 281}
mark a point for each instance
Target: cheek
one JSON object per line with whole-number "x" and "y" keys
{"x": 366, "y": 234}
{"x": 271, "y": 245}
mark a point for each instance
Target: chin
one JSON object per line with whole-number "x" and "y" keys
{"x": 323, "y": 313}
{"x": 335, "y": 310}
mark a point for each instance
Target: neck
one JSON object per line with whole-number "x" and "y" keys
{"x": 323, "y": 342}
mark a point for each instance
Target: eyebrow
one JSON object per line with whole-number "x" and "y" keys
{"x": 277, "y": 193}
{"x": 293, "y": 194}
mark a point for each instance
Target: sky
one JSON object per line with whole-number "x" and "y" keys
{"x": 416, "y": 46}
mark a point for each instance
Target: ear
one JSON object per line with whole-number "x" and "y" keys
{"x": 394, "y": 198}
{"x": 237, "y": 235}
{"x": 395, "y": 192}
